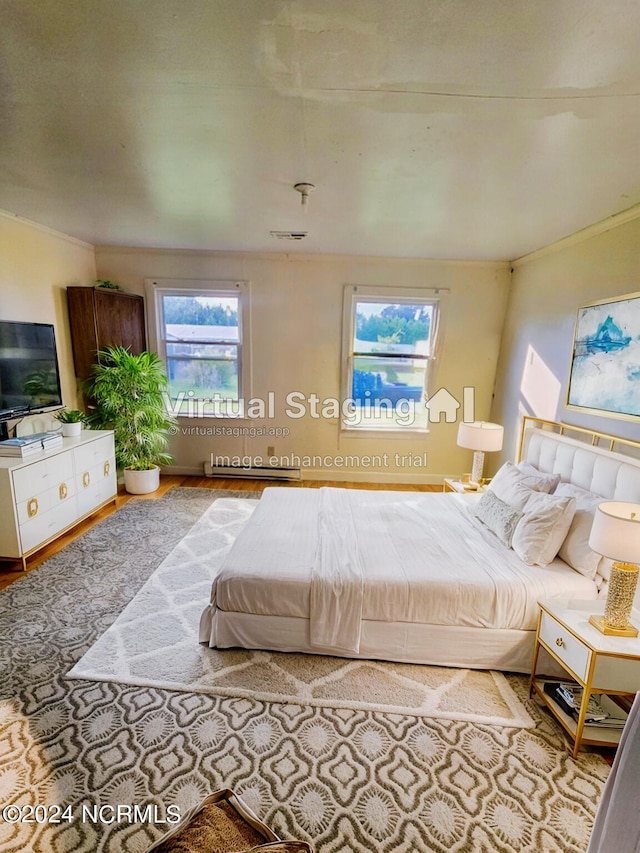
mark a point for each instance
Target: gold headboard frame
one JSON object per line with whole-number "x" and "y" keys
{"x": 602, "y": 440}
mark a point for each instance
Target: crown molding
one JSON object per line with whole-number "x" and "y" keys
{"x": 15, "y": 217}
{"x": 608, "y": 224}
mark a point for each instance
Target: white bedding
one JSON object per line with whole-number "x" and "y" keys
{"x": 398, "y": 557}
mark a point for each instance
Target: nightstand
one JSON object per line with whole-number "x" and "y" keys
{"x": 597, "y": 662}
{"x": 452, "y": 485}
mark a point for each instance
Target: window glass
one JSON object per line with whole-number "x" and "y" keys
{"x": 390, "y": 349}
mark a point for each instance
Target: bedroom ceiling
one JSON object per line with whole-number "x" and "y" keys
{"x": 470, "y": 129}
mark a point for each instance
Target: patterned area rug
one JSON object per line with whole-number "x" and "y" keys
{"x": 154, "y": 643}
{"x": 114, "y": 757}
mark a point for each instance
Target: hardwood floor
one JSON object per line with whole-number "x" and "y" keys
{"x": 11, "y": 570}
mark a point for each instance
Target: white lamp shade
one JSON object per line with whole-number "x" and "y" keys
{"x": 616, "y": 531}
{"x": 480, "y": 435}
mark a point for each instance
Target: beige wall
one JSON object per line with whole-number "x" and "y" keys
{"x": 296, "y": 323}
{"x": 296, "y": 329}
{"x": 546, "y": 292}
{"x": 36, "y": 266}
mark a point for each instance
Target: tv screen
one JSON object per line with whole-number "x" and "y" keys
{"x": 29, "y": 377}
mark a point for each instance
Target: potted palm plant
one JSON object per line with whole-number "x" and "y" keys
{"x": 127, "y": 395}
{"x": 71, "y": 420}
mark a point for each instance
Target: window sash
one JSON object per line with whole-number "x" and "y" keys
{"x": 354, "y": 297}
{"x": 231, "y": 382}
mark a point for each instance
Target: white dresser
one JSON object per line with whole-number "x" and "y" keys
{"x": 49, "y": 492}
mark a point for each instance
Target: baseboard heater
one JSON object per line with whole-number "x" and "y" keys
{"x": 265, "y": 472}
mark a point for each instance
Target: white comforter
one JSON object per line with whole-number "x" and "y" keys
{"x": 338, "y": 556}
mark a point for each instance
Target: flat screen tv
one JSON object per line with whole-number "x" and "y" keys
{"x": 29, "y": 376}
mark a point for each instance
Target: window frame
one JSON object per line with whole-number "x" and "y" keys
{"x": 354, "y": 293}
{"x": 157, "y": 288}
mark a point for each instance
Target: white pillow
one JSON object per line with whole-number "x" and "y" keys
{"x": 604, "y": 569}
{"x": 497, "y": 516}
{"x": 536, "y": 479}
{"x": 575, "y": 549}
{"x": 543, "y": 527}
{"x": 506, "y": 482}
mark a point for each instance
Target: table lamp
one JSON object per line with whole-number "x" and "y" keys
{"x": 616, "y": 534}
{"x": 481, "y": 437}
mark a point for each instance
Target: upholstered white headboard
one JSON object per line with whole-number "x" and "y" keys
{"x": 613, "y": 475}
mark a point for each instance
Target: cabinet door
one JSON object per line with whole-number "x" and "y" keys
{"x": 84, "y": 340}
{"x": 120, "y": 320}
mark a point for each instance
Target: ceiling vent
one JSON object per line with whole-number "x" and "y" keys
{"x": 289, "y": 235}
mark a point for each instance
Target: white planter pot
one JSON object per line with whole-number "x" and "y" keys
{"x": 141, "y": 482}
{"x": 70, "y": 430}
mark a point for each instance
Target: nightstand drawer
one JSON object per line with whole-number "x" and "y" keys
{"x": 568, "y": 648}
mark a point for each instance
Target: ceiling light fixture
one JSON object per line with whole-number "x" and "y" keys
{"x": 305, "y": 191}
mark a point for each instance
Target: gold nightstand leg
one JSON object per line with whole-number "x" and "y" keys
{"x": 580, "y": 723}
{"x": 536, "y": 652}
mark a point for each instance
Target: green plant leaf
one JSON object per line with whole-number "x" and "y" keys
{"x": 128, "y": 394}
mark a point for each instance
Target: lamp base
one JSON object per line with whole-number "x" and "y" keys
{"x": 478, "y": 465}
{"x": 599, "y": 623}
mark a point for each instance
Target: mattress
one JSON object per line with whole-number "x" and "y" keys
{"x": 413, "y": 558}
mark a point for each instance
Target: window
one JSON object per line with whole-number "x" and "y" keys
{"x": 389, "y": 339}
{"x": 199, "y": 329}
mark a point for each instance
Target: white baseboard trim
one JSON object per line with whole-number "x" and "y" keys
{"x": 338, "y": 475}
{"x": 263, "y": 472}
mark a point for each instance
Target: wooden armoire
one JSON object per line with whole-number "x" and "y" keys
{"x": 100, "y": 318}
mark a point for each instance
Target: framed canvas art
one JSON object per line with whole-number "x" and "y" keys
{"x": 604, "y": 378}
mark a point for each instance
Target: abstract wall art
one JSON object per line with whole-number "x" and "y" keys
{"x": 605, "y": 365}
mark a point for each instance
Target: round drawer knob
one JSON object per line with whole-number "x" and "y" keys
{"x": 32, "y": 507}
{"x": 63, "y": 491}
{"x": 560, "y": 642}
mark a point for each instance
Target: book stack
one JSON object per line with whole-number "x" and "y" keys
{"x": 27, "y": 445}
{"x": 569, "y": 698}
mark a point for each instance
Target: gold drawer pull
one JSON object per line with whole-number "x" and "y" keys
{"x": 560, "y": 642}
{"x": 86, "y": 479}
{"x": 63, "y": 491}
{"x": 107, "y": 468}
{"x": 32, "y": 507}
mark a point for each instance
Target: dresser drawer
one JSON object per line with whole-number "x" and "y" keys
{"x": 41, "y": 476}
{"x": 34, "y": 507}
{"x": 38, "y": 529}
{"x": 96, "y": 485}
{"x": 45, "y": 525}
{"x": 94, "y": 452}
{"x": 30, "y": 480}
{"x": 574, "y": 654}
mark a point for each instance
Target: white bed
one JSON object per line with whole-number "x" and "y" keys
{"x": 402, "y": 576}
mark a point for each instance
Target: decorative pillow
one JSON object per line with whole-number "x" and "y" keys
{"x": 509, "y": 477}
{"x": 510, "y": 488}
{"x": 498, "y": 516}
{"x": 543, "y": 527}
{"x": 538, "y": 480}
{"x": 575, "y": 549}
